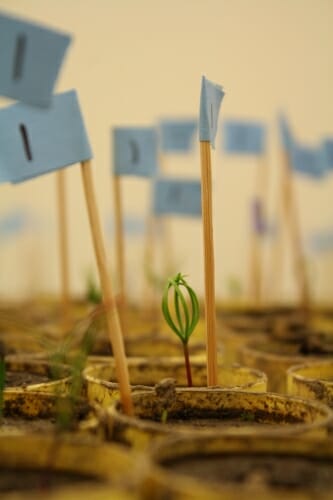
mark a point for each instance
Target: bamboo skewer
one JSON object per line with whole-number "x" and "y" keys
{"x": 292, "y": 218}
{"x": 120, "y": 250}
{"x": 207, "y": 218}
{"x": 63, "y": 243}
{"x": 113, "y": 323}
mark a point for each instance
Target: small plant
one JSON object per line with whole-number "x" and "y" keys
{"x": 93, "y": 293}
{"x": 186, "y": 318}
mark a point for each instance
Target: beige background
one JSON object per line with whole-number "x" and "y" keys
{"x": 134, "y": 61}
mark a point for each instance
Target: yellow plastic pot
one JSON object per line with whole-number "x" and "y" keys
{"x": 144, "y": 373}
{"x": 59, "y": 375}
{"x": 111, "y": 469}
{"x": 238, "y": 468}
{"x": 273, "y": 358}
{"x": 233, "y": 339}
{"x": 215, "y": 411}
{"x": 312, "y": 380}
{"x": 29, "y": 406}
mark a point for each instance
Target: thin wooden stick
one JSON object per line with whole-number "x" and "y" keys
{"x": 256, "y": 260}
{"x": 63, "y": 243}
{"x": 120, "y": 250}
{"x": 208, "y": 243}
{"x": 112, "y": 318}
{"x": 292, "y": 218}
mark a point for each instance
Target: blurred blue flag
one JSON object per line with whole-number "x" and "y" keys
{"x": 321, "y": 241}
{"x": 177, "y": 135}
{"x": 133, "y": 225}
{"x": 309, "y": 161}
{"x": 135, "y": 151}
{"x": 327, "y": 146}
{"x": 241, "y": 137}
{"x": 177, "y": 197}
{"x": 13, "y": 222}
{"x": 35, "y": 141}
{"x": 210, "y": 103}
{"x": 286, "y": 136}
{"x": 30, "y": 59}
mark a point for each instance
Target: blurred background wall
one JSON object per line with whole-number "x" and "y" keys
{"x": 136, "y": 61}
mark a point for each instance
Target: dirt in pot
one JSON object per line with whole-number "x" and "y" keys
{"x": 23, "y": 379}
{"x": 225, "y": 418}
{"x": 42, "y": 481}
{"x": 274, "y": 471}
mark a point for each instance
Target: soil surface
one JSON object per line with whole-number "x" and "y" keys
{"x": 39, "y": 481}
{"x": 277, "y": 472}
{"x": 228, "y": 418}
{"x": 22, "y": 379}
{"x": 14, "y": 424}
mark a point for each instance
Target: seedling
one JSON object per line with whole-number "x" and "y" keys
{"x": 186, "y": 318}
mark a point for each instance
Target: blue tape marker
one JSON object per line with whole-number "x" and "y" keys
{"x": 241, "y": 137}
{"x": 35, "y": 141}
{"x": 30, "y": 59}
{"x": 210, "y": 103}
{"x": 309, "y": 161}
{"x": 327, "y": 146}
{"x": 321, "y": 241}
{"x": 13, "y": 223}
{"x": 133, "y": 225}
{"x": 177, "y": 197}
{"x": 135, "y": 151}
{"x": 177, "y": 136}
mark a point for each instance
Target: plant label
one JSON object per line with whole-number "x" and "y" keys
{"x": 210, "y": 103}
{"x": 177, "y": 136}
{"x": 177, "y": 197}
{"x": 309, "y": 161}
{"x": 35, "y": 141}
{"x": 243, "y": 137}
{"x": 30, "y": 59}
{"x": 328, "y": 152}
{"x": 135, "y": 151}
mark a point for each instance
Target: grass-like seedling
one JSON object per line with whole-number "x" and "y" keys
{"x": 186, "y": 316}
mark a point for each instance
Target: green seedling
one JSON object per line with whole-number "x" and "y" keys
{"x": 93, "y": 293}
{"x": 186, "y": 318}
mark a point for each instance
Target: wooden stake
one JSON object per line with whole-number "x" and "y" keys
{"x": 208, "y": 243}
{"x": 256, "y": 259}
{"x": 112, "y": 318}
{"x": 120, "y": 250}
{"x": 63, "y": 243}
{"x": 291, "y": 215}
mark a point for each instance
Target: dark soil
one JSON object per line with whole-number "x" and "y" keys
{"x": 22, "y": 379}
{"x": 228, "y": 418}
{"x": 36, "y": 425}
{"x": 39, "y": 481}
{"x": 277, "y": 472}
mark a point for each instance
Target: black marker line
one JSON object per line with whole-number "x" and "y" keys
{"x": 25, "y": 140}
{"x": 20, "y": 49}
{"x": 135, "y": 151}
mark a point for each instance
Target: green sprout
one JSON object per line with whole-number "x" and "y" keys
{"x": 185, "y": 319}
{"x": 93, "y": 293}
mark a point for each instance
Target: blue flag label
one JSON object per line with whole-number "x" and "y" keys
{"x": 243, "y": 137}
{"x": 177, "y": 135}
{"x": 135, "y": 151}
{"x": 309, "y": 161}
{"x": 210, "y": 103}
{"x": 30, "y": 60}
{"x": 35, "y": 141}
{"x": 177, "y": 197}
